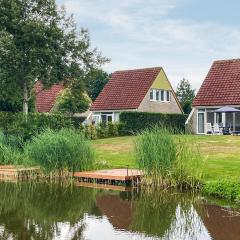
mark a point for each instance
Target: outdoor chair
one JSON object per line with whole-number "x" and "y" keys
{"x": 216, "y": 129}
{"x": 209, "y": 129}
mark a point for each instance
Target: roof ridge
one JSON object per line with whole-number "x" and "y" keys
{"x": 138, "y": 69}
{"x": 227, "y": 60}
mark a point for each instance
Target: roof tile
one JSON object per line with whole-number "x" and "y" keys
{"x": 221, "y": 86}
{"x": 45, "y": 98}
{"x": 126, "y": 89}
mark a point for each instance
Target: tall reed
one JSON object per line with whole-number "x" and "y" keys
{"x": 9, "y": 150}
{"x": 156, "y": 153}
{"x": 56, "y": 151}
{"x": 168, "y": 160}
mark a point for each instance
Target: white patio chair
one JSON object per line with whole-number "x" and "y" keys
{"x": 216, "y": 129}
{"x": 209, "y": 129}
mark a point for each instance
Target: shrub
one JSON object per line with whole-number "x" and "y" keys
{"x": 90, "y": 132}
{"x": 112, "y": 129}
{"x": 102, "y": 130}
{"x": 225, "y": 188}
{"x": 16, "y": 124}
{"x": 134, "y": 122}
{"x": 60, "y": 150}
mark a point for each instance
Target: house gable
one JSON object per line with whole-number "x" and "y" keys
{"x": 126, "y": 89}
{"x": 161, "y": 83}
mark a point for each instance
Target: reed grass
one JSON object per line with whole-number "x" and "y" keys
{"x": 187, "y": 172}
{"x": 9, "y": 156}
{"x": 9, "y": 151}
{"x": 166, "y": 160}
{"x": 155, "y": 153}
{"x": 60, "y": 151}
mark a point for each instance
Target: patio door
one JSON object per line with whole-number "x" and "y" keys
{"x": 201, "y": 122}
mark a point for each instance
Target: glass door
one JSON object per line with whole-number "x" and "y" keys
{"x": 201, "y": 128}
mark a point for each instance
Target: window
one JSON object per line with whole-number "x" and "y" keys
{"x": 162, "y": 95}
{"x": 157, "y": 95}
{"x": 151, "y": 94}
{"x": 168, "y": 96}
{"x": 106, "y": 117}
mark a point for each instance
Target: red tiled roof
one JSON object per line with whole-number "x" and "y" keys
{"x": 221, "y": 86}
{"x": 45, "y": 98}
{"x": 126, "y": 89}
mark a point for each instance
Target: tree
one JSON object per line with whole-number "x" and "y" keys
{"x": 40, "y": 42}
{"x": 72, "y": 101}
{"x": 185, "y": 94}
{"x": 95, "y": 81}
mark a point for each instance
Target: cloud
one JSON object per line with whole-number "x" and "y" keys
{"x": 140, "y": 33}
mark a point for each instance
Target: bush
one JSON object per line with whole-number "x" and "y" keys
{"x": 228, "y": 189}
{"x": 102, "y": 130}
{"x": 137, "y": 121}
{"x": 16, "y": 124}
{"x": 60, "y": 150}
{"x": 167, "y": 160}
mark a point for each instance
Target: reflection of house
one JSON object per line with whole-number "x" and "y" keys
{"x": 220, "y": 88}
{"x": 221, "y": 224}
{"x": 118, "y": 211}
{"x": 145, "y": 90}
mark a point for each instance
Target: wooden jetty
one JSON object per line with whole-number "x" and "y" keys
{"x": 111, "y": 176}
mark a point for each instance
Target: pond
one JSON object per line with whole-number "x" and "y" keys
{"x": 55, "y": 211}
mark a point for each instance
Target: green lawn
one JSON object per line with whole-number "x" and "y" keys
{"x": 221, "y": 154}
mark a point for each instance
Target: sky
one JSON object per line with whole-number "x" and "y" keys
{"x": 182, "y": 36}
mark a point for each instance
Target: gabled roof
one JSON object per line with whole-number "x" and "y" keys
{"x": 126, "y": 89}
{"x": 221, "y": 86}
{"x": 45, "y": 98}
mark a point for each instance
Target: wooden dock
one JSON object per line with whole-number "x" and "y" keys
{"x": 111, "y": 176}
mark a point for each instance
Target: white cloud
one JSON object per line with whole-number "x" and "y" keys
{"x": 141, "y": 33}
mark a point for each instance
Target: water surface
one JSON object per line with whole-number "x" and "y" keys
{"x": 53, "y": 211}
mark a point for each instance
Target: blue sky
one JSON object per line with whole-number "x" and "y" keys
{"x": 182, "y": 36}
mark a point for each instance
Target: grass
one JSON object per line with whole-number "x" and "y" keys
{"x": 221, "y": 154}
{"x": 60, "y": 150}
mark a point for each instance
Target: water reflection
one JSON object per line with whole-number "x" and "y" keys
{"x": 42, "y": 211}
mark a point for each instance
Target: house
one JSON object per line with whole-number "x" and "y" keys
{"x": 45, "y": 99}
{"x": 145, "y": 90}
{"x": 218, "y": 100}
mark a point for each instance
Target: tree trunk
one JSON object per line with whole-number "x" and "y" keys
{"x": 25, "y": 99}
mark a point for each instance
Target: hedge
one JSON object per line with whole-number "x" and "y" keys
{"x": 17, "y": 124}
{"x": 137, "y": 121}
